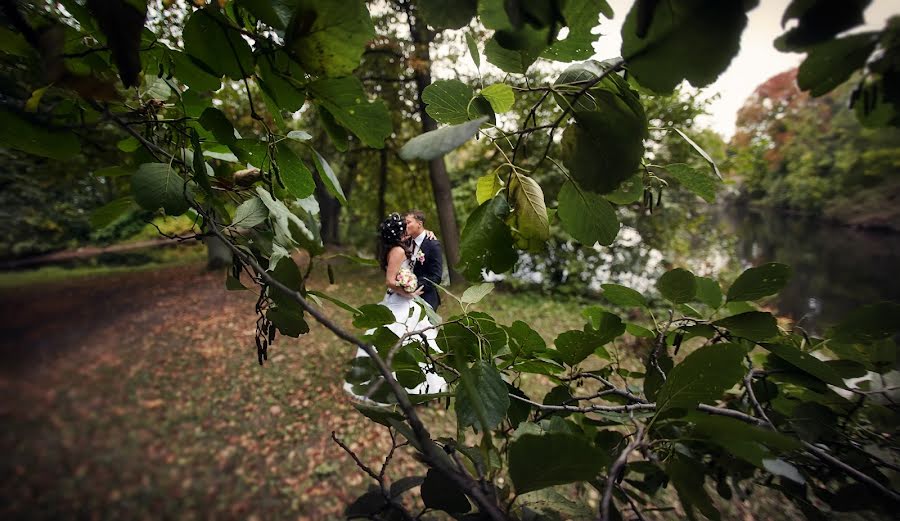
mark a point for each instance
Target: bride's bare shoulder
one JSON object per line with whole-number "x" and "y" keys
{"x": 397, "y": 252}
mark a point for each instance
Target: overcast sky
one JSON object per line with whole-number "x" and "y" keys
{"x": 756, "y": 61}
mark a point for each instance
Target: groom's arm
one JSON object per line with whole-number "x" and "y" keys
{"x": 434, "y": 263}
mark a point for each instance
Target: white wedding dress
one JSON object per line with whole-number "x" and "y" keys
{"x": 408, "y": 318}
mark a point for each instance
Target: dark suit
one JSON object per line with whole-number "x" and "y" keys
{"x": 431, "y": 271}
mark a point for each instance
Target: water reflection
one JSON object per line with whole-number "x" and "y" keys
{"x": 836, "y": 269}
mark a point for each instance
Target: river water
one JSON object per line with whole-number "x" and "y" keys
{"x": 835, "y": 269}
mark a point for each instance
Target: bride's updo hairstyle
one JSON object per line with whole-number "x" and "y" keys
{"x": 391, "y": 231}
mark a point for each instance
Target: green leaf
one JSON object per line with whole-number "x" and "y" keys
{"x": 699, "y": 150}
{"x": 806, "y": 363}
{"x": 212, "y": 39}
{"x": 436, "y": 143}
{"x": 250, "y": 213}
{"x": 761, "y": 281}
{"x": 688, "y": 476}
{"x": 106, "y": 214}
{"x": 327, "y": 37}
{"x": 447, "y": 101}
{"x": 811, "y": 421}
{"x": 742, "y": 440}
{"x": 21, "y": 134}
{"x": 604, "y": 147}
{"x": 869, "y": 324}
{"x": 639, "y": 331}
{"x": 511, "y": 61}
{"x": 378, "y": 414}
{"x": 35, "y": 100}
{"x": 784, "y": 469}
{"x": 575, "y": 346}
{"x": 752, "y": 325}
{"x": 216, "y": 122}
{"x": 289, "y": 322}
{"x": 527, "y": 340}
{"x": 487, "y": 187}
{"x": 193, "y": 74}
{"x": 483, "y": 400}
{"x": 831, "y": 63}
{"x": 629, "y": 191}
{"x": 473, "y": 50}
{"x": 157, "y": 185}
{"x": 551, "y": 503}
{"x": 677, "y": 286}
{"x": 329, "y": 179}
{"x": 540, "y": 461}
{"x": 474, "y": 294}
{"x": 404, "y": 484}
{"x": 296, "y": 176}
{"x": 702, "y": 377}
{"x": 529, "y": 217}
{"x": 299, "y": 135}
{"x": 440, "y": 493}
{"x": 694, "y": 180}
{"x": 346, "y": 100}
{"x": 500, "y": 96}
{"x": 373, "y": 315}
{"x": 276, "y": 78}
{"x": 604, "y": 326}
{"x": 588, "y": 217}
{"x": 264, "y": 11}
{"x": 288, "y": 227}
{"x": 623, "y": 296}
{"x": 709, "y": 31}
{"x": 581, "y": 17}
{"x": 818, "y": 21}
{"x": 447, "y": 14}
{"x": 486, "y": 242}
{"x": 709, "y": 292}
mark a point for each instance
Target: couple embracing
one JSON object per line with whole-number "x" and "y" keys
{"x": 412, "y": 260}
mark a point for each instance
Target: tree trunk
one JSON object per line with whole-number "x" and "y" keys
{"x": 437, "y": 170}
{"x": 329, "y": 213}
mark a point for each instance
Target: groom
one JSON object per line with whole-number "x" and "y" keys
{"x": 428, "y": 263}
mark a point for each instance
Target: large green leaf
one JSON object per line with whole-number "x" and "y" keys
{"x": 440, "y": 493}
{"x": 447, "y": 101}
{"x": 373, "y": 315}
{"x": 436, "y": 143}
{"x": 677, "y": 286}
{"x": 588, "y": 217}
{"x": 694, "y": 180}
{"x": 752, "y": 325}
{"x": 21, "y": 134}
{"x": 481, "y": 398}
{"x": 529, "y": 217}
{"x": 699, "y": 150}
{"x": 447, "y": 14}
{"x": 689, "y": 39}
{"x": 525, "y": 339}
{"x": 702, "y": 377}
{"x": 216, "y": 122}
{"x": 629, "y": 191}
{"x": 277, "y": 78}
{"x": 157, "y": 185}
{"x": 605, "y": 146}
{"x": 327, "y": 37}
{"x": 806, "y": 363}
{"x": 623, "y": 296}
{"x": 193, "y": 74}
{"x": 818, "y": 21}
{"x": 688, "y": 476}
{"x": 264, "y": 11}
{"x": 709, "y": 292}
{"x": 540, "y": 461}
{"x": 250, "y": 213}
{"x": 487, "y": 187}
{"x": 329, "y": 178}
{"x": 831, "y": 63}
{"x": 581, "y": 17}
{"x": 106, "y": 214}
{"x": 500, "y": 96}
{"x": 212, "y": 39}
{"x": 346, "y": 100}
{"x": 760, "y": 281}
{"x": 296, "y": 176}
{"x": 575, "y": 346}
{"x": 486, "y": 241}
{"x": 507, "y": 60}
{"x": 122, "y": 22}
{"x": 869, "y": 324}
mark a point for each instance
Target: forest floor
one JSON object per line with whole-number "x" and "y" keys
{"x": 138, "y": 395}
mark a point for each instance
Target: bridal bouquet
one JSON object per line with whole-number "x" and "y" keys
{"x": 407, "y": 280}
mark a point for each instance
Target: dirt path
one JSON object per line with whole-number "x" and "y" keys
{"x": 139, "y": 396}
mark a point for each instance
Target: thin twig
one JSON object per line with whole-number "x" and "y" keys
{"x": 618, "y": 467}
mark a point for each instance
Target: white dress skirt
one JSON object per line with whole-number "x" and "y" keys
{"x": 409, "y": 318}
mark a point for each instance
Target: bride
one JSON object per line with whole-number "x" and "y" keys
{"x": 394, "y": 251}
